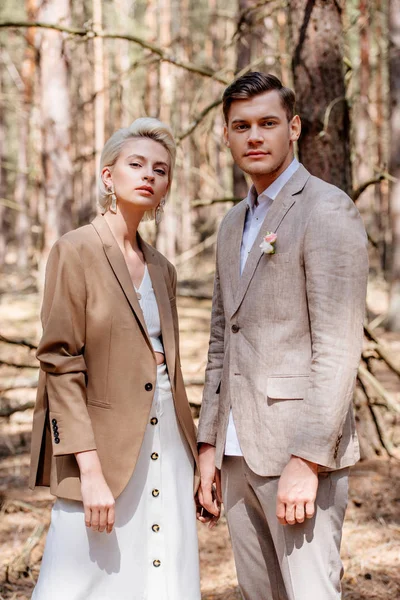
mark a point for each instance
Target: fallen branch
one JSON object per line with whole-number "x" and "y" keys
{"x": 381, "y": 351}
{"x": 195, "y": 250}
{"x": 17, "y": 342}
{"x": 7, "y": 411}
{"x": 7, "y": 363}
{"x": 9, "y": 505}
{"x": 91, "y": 33}
{"x": 20, "y": 564}
{"x": 196, "y": 203}
{"x": 367, "y": 377}
{"x": 376, "y": 419}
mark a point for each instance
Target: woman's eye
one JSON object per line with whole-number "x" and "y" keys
{"x": 160, "y": 171}
{"x": 135, "y": 164}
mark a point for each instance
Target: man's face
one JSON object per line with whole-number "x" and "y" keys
{"x": 260, "y": 137}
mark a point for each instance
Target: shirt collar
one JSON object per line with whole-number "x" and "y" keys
{"x": 271, "y": 192}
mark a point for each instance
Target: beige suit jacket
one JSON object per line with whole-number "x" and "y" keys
{"x": 286, "y": 336}
{"x": 98, "y": 368}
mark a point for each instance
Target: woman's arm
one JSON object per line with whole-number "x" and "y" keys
{"x": 61, "y": 356}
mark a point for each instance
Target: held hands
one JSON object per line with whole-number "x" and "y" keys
{"x": 209, "y": 497}
{"x": 297, "y": 491}
{"x": 98, "y": 500}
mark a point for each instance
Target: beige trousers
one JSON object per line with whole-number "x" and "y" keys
{"x": 284, "y": 562}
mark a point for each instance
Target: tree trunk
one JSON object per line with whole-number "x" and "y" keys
{"x": 394, "y": 164}
{"x": 99, "y": 107}
{"x": 55, "y": 113}
{"x": 3, "y": 173}
{"x": 23, "y": 221}
{"x": 324, "y": 145}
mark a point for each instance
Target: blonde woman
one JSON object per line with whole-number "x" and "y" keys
{"x": 113, "y": 434}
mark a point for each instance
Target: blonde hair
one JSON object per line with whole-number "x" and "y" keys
{"x": 146, "y": 127}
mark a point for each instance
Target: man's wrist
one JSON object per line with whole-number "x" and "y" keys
{"x": 313, "y": 466}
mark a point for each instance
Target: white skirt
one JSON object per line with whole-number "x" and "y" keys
{"x": 152, "y": 553}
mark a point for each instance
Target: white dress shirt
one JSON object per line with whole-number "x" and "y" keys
{"x": 255, "y": 216}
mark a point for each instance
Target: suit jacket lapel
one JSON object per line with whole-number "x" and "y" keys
{"x": 279, "y": 208}
{"x": 118, "y": 265}
{"x": 233, "y": 244}
{"x": 164, "y": 307}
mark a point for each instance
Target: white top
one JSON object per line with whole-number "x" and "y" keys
{"x": 255, "y": 216}
{"x": 148, "y": 304}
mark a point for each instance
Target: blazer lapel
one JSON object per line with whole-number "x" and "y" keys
{"x": 279, "y": 208}
{"x": 118, "y": 265}
{"x": 164, "y": 307}
{"x": 233, "y": 238}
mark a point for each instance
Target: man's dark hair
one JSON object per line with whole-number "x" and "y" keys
{"x": 255, "y": 83}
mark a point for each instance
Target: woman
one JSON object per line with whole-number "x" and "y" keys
{"x": 113, "y": 434}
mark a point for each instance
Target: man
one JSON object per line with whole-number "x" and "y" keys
{"x": 286, "y": 336}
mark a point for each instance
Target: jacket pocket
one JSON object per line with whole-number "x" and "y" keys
{"x": 100, "y": 403}
{"x": 287, "y": 387}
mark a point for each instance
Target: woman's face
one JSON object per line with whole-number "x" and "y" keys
{"x": 140, "y": 177}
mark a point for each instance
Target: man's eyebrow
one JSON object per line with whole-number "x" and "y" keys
{"x": 265, "y": 118}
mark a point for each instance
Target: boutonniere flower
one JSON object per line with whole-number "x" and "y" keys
{"x": 268, "y": 243}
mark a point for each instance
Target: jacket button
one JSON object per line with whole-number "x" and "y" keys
{"x": 55, "y": 428}
{"x": 155, "y": 493}
{"x": 148, "y": 387}
{"x": 155, "y": 528}
{"x": 57, "y": 440}
{"x": 156, "y": 563}
{"x": 54, "y": 421}
{"x": 154, "y": 456}
{"x": 154, "y": 421}
{"x": 235, "y": 328}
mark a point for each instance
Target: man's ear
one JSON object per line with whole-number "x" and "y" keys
{"x": 226, "y": 139}
{"x": 295, "y": 128}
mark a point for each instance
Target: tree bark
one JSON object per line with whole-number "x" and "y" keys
{"x": 317, "y": 64}
{"x": 23, "y": 219}
{"x": 394, "y": 164}
{"x": 55, "y": 113}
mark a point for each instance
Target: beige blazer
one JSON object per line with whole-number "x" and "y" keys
{"x": 286, "y": 336}
{"x": 98, "y": 368}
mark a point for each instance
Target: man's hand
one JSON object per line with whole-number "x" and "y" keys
{"x": 209, "y": 494}
{"x": 297, "y": 491}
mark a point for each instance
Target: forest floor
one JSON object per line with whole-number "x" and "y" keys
{"x": 371, "y": 540}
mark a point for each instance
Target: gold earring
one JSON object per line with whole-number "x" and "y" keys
{"x": 159, "y": 211}
{"x": 113, "y": 205}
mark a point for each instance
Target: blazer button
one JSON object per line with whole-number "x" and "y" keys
{"x": 155, "y": 493}
{"x": 57, "y": 440}
{"x": 148, "y": 387}
{"x": 154, "y": 421}
{"x": 235, "y": 328}
{"x": 54, "y": 421}
{"x": 156, "y": 563}
{"x": 155, "y": 528}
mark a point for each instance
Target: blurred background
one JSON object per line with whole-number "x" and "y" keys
{"x": 71, "y": 73}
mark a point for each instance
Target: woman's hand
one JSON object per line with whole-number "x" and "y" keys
{"x": 98, "y": 500}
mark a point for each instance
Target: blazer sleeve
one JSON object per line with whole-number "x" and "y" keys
{"x": 208, "y": 423}
{"x": 61, "y": 350}
{"x": 336, "y": 268}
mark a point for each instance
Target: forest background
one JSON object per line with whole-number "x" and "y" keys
{"x": 72, "y": 72}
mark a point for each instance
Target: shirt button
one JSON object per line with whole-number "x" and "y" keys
{"x": 154, "y": 421}
{"x": 154, "y": 456}
{"x": 156, "y": 563}
{"x": 155, "y": 493}
{"x": 155, "y": 528}
{"x": 148, "y": 387}
{"x": 235, "y": 328}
